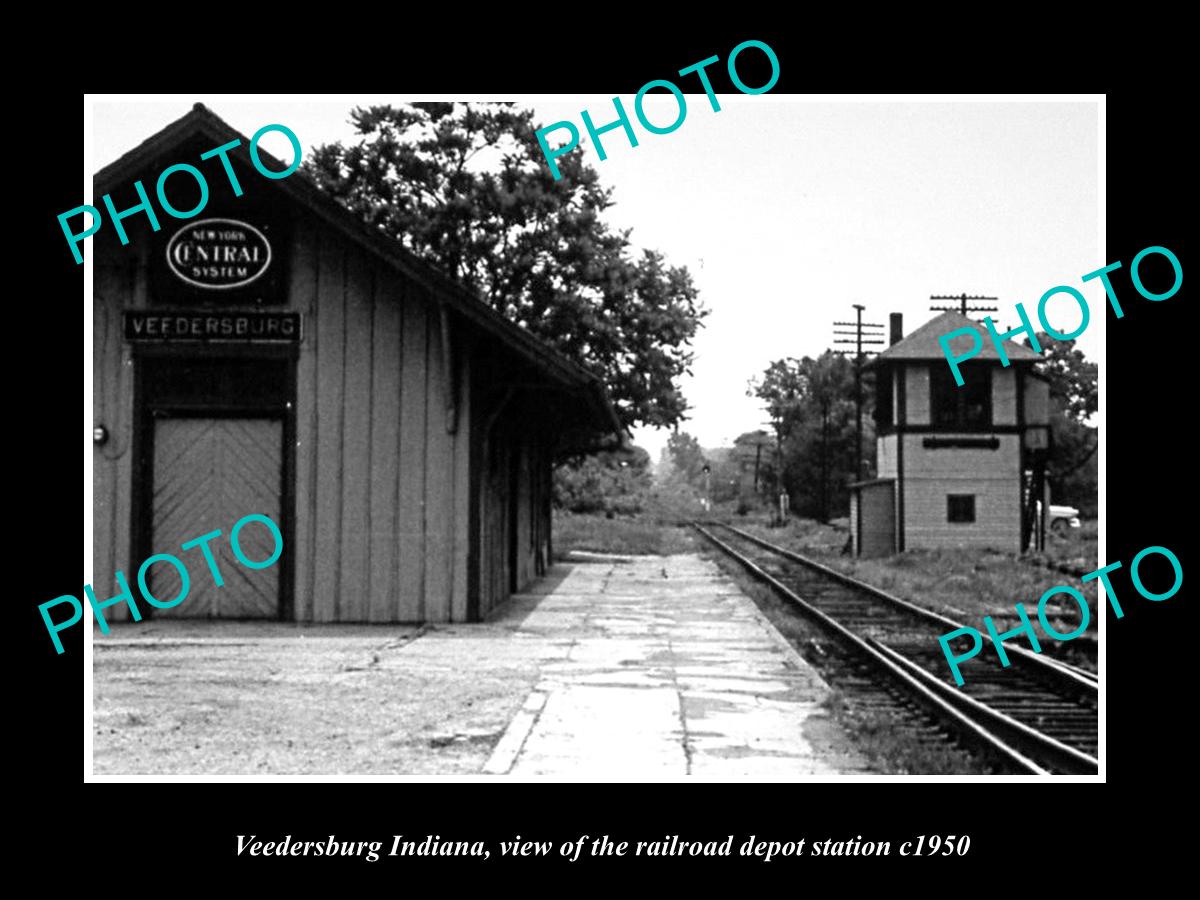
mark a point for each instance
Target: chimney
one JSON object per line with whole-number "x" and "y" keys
{"x": 897, "y": 322}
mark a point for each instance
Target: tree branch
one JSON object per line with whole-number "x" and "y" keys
{"x": 1082, "y": 461}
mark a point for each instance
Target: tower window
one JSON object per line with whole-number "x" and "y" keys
{"x": 969, "y": 406}
{"x": 960, "y": 508}
{"x": 884, "y": 390}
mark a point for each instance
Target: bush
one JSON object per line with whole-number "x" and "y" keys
{"x": 612, "y": 482}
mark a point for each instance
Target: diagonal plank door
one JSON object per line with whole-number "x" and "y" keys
{"x": 208, "y": 474}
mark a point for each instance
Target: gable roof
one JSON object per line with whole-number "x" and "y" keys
{"x": 923, "y": 344}
{"x": 201, "y": 121}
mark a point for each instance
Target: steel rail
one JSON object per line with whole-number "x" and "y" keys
{"x": 915, "y": 687}
{"x": 1064, "y": 673}
{"x": 1061, "y": 755}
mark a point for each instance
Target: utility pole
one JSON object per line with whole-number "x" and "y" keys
{"x": 961, "y": 300}
{"x": 860, "y": 338}
{"x": 780, "y": 500}
{"x": 757, "y": 459}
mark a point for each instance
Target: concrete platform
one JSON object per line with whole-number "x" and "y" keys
{"x": 636, "y": 668}
{"x": 660, "y": 667}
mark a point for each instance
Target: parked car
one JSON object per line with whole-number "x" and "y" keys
{"x": 1061, "y": 518}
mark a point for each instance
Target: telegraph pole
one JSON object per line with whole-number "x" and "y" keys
{"x": 860, "y": 338}
{"x": 961, "y": 300}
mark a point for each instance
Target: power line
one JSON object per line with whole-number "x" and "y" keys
{"x": 862, "y": 336}
{"x": 962, "y": 299}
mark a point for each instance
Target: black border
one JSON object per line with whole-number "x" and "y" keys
{"x": 1027, "y": 834}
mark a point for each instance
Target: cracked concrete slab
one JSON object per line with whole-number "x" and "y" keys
{"x": 668, "y": 670}
{"x": 606, "y": 670}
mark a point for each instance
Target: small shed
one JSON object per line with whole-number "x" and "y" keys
{"x": 400, "y": 431}
{"x": 964, "y": 466}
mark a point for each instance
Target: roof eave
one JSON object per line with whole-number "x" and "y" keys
{"x": 301, "y": 189}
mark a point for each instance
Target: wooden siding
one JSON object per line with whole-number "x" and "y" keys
{"x": 1037, "y": 401}
{"x": 494, "y": 522}
{"x": 523, "y": 481}
{"x": 515, "y": 504}
{"x": 876, "y": 504}
{"x": 395, "y": 507}
{"x": 119, "y": 283}
{"x": 380, "y": 481}
{"x": 854, "y": 501}
{"x": 886, "y": 464}
{"x": 992, "y": 476}
{"x": 215, "y": 470}
{"x": 382, "y": 491}
{"x": 961, "y": 462}
{"x": 1004, "y": 396}
{"x": 917, "y": 394}
{"x": 464, "y": 464}
{"x": 381, "y": 487}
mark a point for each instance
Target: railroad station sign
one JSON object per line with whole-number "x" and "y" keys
{"x": 213, "y": 325}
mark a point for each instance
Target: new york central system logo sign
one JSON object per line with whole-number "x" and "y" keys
{"x": 219, "y": 254}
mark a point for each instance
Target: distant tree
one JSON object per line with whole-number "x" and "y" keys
{"x": 466, "y": 187}
{"x": 781, "y": 388}
{"x": 1074, "y": 397}
{"x": 811, "y": 405}
{"x": 687, "y": 458}
{"x": 725, "y": 479}
{"x": 1073, "y": 379}
{"x": 612, "y": 481}
{"x": 753, "y": 450}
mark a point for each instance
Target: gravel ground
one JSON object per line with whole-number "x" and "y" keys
{"x": 227, "y": 698}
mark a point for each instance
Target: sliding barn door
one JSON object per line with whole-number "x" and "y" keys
{"x": 208, "y": 474}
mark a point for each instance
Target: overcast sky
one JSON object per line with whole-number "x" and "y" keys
{"x": 788, "y": 210}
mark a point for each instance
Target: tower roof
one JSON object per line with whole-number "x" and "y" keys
{"x": 923, "y": 343}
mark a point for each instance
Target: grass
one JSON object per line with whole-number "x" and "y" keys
{"x": 660, "y": 528}
{"x": 964, "y": 585}
{"x": 631, "y": 535}
{"x": 892, "y": 751}
{"x": 958, "y": 583}
{"x": 1074, "y": 548}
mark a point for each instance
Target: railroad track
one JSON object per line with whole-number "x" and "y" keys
{"x": 1038, "y": 715}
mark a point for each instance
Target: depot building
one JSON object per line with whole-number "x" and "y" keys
{"x": 274, "y": 355}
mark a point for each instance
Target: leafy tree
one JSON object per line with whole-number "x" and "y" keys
{"x": 811, "y": 406}
{"x": 466, "y": 187}
{"x": 1072, "y": 377}
{"x": 1074, "y": 397}
{"x": 727, "y": 479}
{"x": 781, "y": 388}
{"x": 613, "y": 481}
{"x": 687, "y": 458}
{"x": 753, "y": 450}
